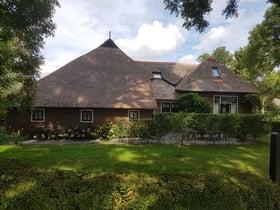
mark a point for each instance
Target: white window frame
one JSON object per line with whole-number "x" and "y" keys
{"x": 128, "y": 114}
{"x": 81, "y": 116}
{"x": 218, "y": 110}
{"x": 32, "y": 115}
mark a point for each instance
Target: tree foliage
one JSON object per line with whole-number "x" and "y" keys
{"x": 23, "y": 27}
{"x": 192, "y": 102}
{"x": 259, "y": 60}
{"x": 193, "y": 12}
{"x": 221, "y": 54}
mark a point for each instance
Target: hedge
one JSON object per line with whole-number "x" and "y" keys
{"x": 24, "y": 186}
{"x": 189, "y": 125}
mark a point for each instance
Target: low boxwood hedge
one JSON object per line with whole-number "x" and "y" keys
{"x": 24, "y": 186}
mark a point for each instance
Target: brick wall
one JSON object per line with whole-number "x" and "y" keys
{"x": 56, "y": 118}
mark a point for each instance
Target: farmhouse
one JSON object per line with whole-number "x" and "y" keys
{"x": 107, "y": 85}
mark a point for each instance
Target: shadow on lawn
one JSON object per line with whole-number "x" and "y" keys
{"x": 148, "y": 158}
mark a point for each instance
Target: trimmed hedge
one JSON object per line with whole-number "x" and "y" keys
{"x": 24, "y": 186}
{"x": 193, "y": 125}
{"x": 211, "y": 126}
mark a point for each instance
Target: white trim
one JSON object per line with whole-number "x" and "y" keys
{"x": 81, "y": 115}
{"x": 237, "y": 103}
{"x": 133, "y": 110}
{"x": 38, "y": 109}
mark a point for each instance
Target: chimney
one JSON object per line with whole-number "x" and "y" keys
{"x": 211, "y": 58}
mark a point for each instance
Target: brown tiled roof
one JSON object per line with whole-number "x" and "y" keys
{"x": 203, "y": 80}
{"x": 104, "y": 78}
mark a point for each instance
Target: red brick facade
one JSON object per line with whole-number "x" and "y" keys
{"x": 56, "y": 118}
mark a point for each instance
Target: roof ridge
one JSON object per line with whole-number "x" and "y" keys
{"x": 164, "y": 62}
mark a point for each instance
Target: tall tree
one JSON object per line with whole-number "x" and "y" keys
{"x": 221, "y": 54}
{"x": 23, "y": 27}
{"x": 259, "y": 60}
{"x": 194, "y": 12}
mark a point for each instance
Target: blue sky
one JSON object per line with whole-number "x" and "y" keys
{"x": 144, "y": 30}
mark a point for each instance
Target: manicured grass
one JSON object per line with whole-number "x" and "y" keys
{"x": 151, "y": 159}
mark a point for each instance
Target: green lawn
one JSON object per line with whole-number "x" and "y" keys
{"x": 148, "y": 158}
{"x": 126, "y": 176}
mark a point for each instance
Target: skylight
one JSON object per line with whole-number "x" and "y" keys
{"x": 216, "y": 73}
{"x": 157, "y": 75}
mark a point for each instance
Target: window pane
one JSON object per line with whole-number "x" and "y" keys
{"x": 165, "y": 107}
{"x": 133, "y": 115}
{"x": 215, "y": 71}
{"x": 217, "y": 99}
{"x": 38, "y": 115}
{"x": 174, "y": 107}
{"x": 157, "y": 75}
{"x": 87, "y": 116}
{"x": 234, "y": 100}
{"x": 226, "y": 100}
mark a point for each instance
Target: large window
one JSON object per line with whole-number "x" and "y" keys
{"x": 225, "y": 104}
{"x": 38, "y": 115}
{"x": 169, "y": 107}
{"x": 133, "y": 114}
{"x": 86, "y": 115}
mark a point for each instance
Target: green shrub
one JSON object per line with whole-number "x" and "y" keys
{"x": 213, "y": 126}
{"x": 24, "y": 186}
{"x": 193, "y": 103}
{"x": 7, "y": 137}
{"x": 275, "y": 126}
{"x": 140, "y": 129}
{"x": 160, "y": 125}
{"x": 252, "y": 126}
{"x": 120, "y": 129}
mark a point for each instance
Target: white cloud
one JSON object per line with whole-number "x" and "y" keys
{"x": 212, "y": 38}
{"x": 191, "y": 59}
{"x": 144, "y": 30}
{"x": 152, "y": 41}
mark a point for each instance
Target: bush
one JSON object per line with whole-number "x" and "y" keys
{"x": 213, "y": 126}
{"x": 160, "y": 125}
{"x": 197, "y": 125}
{"x": 275, "y": 126}
{"x": 193, "y": 103}
{"x": 7, "y": 137}
{"x": 24, "y": 186}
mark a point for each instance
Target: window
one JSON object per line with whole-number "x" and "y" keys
{"x": 157, "y": 75}
{"x": 86, "y": 115}
{"x": 133, "y": 115}
{"x": 174, "y": 107}
{"x": 165, "y": 107}
{"x": 225, "y": 104}
{"x": 38, "y": 115}
{"x": 169, "y": 107}
{"x": 215, "y": 72}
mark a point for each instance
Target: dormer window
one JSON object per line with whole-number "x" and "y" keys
{"x": 157, "y": 75}
{"x": 216, "y": 72}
